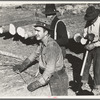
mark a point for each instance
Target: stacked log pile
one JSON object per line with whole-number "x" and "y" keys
{"x": 26, "y": 31}
{"x": 23, "y": 21}
{"x": 13, "y": 26}
{"x": 26, "y": 18}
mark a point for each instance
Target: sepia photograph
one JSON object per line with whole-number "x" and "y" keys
{"x": 49, "y": 49}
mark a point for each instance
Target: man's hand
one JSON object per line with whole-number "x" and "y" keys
{"x": 17, "y": 68}
{"x": 34, "y": 85}
{"x": 77, "y": 37}
{"x": 90, "y": 37}
{"x": 90, "y": 46}
{"x": 22, "y": 66}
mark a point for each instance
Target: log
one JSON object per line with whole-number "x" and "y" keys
{"x": 12, "y": 29}
{"x": 21, "y": 32}
{"x": 13, "y": 26}
{"x": 19, "y": 57}
{"x": 4, "y": 29}
{"x": 1, "y": 30}
{"x": 26, "y": 31}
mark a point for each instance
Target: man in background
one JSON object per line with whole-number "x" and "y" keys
{"x": 59, "y": 32}
{"x": 92, "y": 34}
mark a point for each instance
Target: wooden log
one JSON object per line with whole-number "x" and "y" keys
{"x": 7, "y": 27}
{"x": 1, "y": 30}
{"x": 19, "y": 57}
{"x": 4, "y": 29}
{"x": 13, "y": 26}
{"x": 26, "y": 31}
{"x": 21, "y": 32}
{"x": 12, "y": 29}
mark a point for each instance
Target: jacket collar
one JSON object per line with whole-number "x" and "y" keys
{"x": 46, "y": 41}
{"x": 55, "y": 19}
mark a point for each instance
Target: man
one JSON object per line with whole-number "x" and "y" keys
{"x": 60, "y": 32}
{"x": 92, "y": 34}
{"x": 50, "y": 62}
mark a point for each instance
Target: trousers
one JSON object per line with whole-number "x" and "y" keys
{"x": 59, "y": 83}
{"x": 95, "y": 56}
{"x": 63, "y": 51}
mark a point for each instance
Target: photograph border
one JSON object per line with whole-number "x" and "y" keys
{"x": 58, "y": 2}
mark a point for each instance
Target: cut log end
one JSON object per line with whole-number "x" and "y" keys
{"x": 12, "y": 29}
{"x": 1, "y": 30}
{"x": 21, "y": 32}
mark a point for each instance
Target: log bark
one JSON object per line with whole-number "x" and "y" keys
{"x": 26, "y": 31}
{"x": 4, "y": 29}
{"x": 13, "y": 26}
{"x": 1, "y": 30}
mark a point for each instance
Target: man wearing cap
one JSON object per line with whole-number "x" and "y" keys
{"x": 92, "y": 34}
{"x": 50, "y": 62}
{"x": 60, "y": 32}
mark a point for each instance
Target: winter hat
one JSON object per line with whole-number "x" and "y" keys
{"x": 91, "y": 13}
{"x": 50, "y": 9}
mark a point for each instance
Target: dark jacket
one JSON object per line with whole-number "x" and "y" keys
{"x": 62, "y": 38}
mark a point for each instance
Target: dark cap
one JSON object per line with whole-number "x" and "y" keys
{"x": 42, "y": 24}
{"x": 50, "y": 9}
{"x": 91, "y": 13}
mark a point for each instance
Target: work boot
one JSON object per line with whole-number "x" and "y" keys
{"x": 96, "y": 91}
{"x": 34, "y": 85}
{"x": 86, "y": 86}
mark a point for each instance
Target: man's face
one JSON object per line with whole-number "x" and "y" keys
{"x": 50, "y": 17}
{"x": 40, "y": 33}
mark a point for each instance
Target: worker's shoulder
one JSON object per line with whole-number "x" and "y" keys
{"x": 60, "y": 21}
{"x": 52, "y": 43}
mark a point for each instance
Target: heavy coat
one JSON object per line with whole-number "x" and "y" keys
{"x": 62, "y": 38}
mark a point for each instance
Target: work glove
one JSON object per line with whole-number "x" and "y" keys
{"x": 78, "y": 39}
{"x": 22, "y": 67}
{"x": 17, "y": 68}
{"x": 90, "y": 46}
{"x": 90, "y": 37}
{"x": 34, "y": 85}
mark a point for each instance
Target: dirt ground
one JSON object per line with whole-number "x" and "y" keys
{"x": 12, "y": 84}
